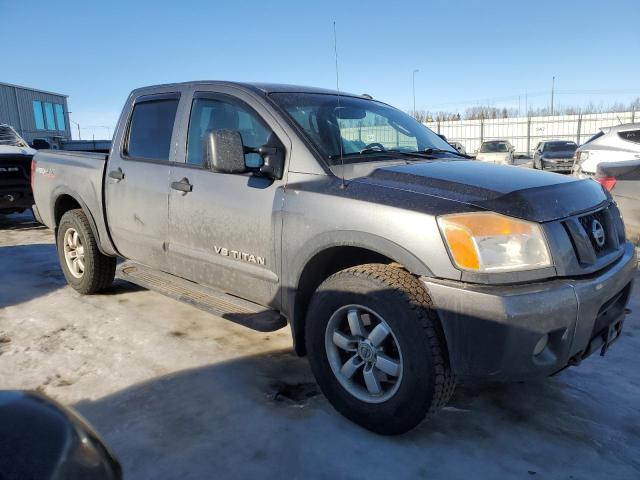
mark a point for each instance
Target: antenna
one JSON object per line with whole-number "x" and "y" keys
{"x": 335, "y": 51}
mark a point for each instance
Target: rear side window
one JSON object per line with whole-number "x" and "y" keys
{"x": 630, "y": 136}
{"x": 150, "y": 129}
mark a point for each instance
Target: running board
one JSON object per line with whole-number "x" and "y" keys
{"x": 243, "y": 312}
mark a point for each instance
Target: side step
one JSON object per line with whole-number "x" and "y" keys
{"x": 232, "y": 308}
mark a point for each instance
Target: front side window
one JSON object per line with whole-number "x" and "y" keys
{"x": 48, "y": 115}
{"x": 150, "y": 129}
{"x": 220, "y": 114}
{"x": 59, "y": 116}
{"x": 357, "y": 129}
{"x": 38, "y": 116}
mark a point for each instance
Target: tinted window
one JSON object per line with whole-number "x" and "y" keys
{"x": 217, "y": 114}
{"x": 48, "y": 115}
{"x": 37, "y": 115}
{"x": 151, "y": 128}
{"x": 560, "y": 146}
{"x": 59, "y": 116}
{"x": 494, "y": 147}
{"x": 630, "y": 136}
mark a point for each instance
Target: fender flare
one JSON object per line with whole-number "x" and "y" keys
{"x": 60, "y": 191}
{"x": 329, "y": 240}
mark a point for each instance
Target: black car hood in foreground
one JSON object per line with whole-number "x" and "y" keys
{"x": 517, "y": 192}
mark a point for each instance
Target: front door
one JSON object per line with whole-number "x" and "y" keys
{"x": 225, "y": 231}
{"x": 137, "y": 182}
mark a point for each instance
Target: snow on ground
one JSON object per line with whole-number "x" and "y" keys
{"x": 178, "y": 393}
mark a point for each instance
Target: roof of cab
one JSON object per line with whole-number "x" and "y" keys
{"x": 263, "y": 88}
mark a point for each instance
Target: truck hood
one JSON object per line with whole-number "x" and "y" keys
{"x": 518, "y": 192}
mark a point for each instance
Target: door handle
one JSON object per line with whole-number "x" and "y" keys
{"x": 182, "y": 186}
{"x": 116, "y": 174}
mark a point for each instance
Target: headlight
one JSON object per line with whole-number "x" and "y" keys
{"x": 490, "y": 242}
{"x": 582, "y": 156}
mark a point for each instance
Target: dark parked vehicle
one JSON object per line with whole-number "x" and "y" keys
{"x": 15, "y": 171}
{"x": 554, "y": 156}
{"x": 399, "y": 265}
{"x": 43, "y": 440}
{"x": 622, "y": 179}
{"x": 459, "y": 147}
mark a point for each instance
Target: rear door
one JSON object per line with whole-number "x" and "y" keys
{"x": 137, "y": 180}
{"x": 226, "y": 231}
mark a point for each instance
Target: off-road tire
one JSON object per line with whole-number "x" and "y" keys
{"x": 427, "y": 381}
{"x": 99, "y": 269}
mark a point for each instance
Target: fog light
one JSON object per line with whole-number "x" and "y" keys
{"x": 541, "y": 345}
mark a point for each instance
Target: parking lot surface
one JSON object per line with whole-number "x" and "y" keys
{"x": 178, "y": 393}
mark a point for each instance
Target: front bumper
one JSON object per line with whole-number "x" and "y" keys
{"x": 492, "y": 331}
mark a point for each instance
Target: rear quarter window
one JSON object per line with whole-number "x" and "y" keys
{"x": 630, "y": 136}
{"x": 150, "y": 129}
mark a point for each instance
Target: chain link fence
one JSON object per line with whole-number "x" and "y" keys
{"x": 524, "y": 133}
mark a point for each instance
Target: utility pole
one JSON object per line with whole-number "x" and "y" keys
{"x": 79, "y": 137}
{"x": 553, "y": 85}
{"x": 414, "y": 91}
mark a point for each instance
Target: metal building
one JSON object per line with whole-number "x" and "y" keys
{"x": 35, "y": 113}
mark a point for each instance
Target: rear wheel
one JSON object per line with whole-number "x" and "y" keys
{"x": 376, "y": 348}
{"x": 86, "y": 269}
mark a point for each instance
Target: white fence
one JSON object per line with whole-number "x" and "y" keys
{"x": 524, "y": 133}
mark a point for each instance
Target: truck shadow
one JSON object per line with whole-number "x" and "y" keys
{"x": 264, "y": 415}
{"x": 21, "y": 221}
{"x": 27, "y": 272}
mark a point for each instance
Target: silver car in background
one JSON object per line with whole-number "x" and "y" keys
{"x": 496, "y": 151}
{"x": 620, "y": 143}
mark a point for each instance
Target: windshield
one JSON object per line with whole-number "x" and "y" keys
{"x": 493, "y": 147}
{"x": 560, "y": 146}
{"x": 359, "y": 129}
{"x": 8, "y": 136}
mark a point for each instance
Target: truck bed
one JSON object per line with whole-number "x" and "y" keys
{"x": 72, "y": 177}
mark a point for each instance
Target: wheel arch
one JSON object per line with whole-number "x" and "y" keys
{"x": 323, "y": 261}
{"x": 65, "y": 201}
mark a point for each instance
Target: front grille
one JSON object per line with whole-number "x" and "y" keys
{"x": 11, "y": 172}
{"x": 596, "y": 244}
{"x": 587, "y": 222}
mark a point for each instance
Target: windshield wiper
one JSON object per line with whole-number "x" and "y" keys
{"x": 366, "y": 152}
{"x": 430, "y": 151}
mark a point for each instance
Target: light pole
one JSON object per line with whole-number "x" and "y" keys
{"x": 553, "y": 86}
{"x": 414, "y": 91}
{"x": 79, "y": 137}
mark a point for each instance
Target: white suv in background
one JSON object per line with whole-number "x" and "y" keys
{"x": 496, "y": 151}
{"x": 610, "y": 144}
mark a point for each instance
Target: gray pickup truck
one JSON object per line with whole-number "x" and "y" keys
{"x": 400, "y": 265}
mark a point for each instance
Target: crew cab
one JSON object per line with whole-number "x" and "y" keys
{"x": 400, "y": 266}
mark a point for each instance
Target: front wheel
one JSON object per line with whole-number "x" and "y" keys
{"x": 376, "y": 348}
{"x": 86, "y": 269}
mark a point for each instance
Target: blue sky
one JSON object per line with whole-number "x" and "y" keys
{"x": 466, "y": 51}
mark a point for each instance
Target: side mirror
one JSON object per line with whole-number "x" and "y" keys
{"x": 40, "y": 438}
{"x": 223, "y": 151}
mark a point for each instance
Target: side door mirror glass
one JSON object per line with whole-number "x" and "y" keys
{"x": 223, "y": 151}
